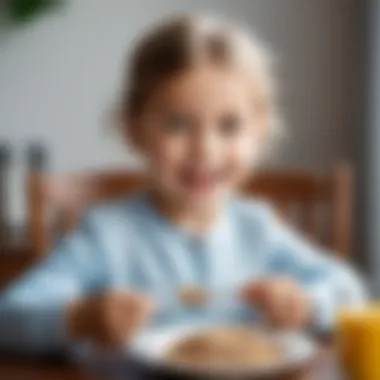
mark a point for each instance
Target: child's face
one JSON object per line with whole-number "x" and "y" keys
{"x": 200, "y": 134}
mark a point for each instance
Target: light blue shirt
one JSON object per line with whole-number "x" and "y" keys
{"x": 130, "y": 245}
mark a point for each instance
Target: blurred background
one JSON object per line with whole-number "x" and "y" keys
{"x": 61, "y": 64}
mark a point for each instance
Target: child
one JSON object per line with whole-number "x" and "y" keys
{"x": 199, "y": 106}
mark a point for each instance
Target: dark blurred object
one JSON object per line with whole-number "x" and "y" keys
{"x": 37, "y": 157}
{"x": 15, "y": 248}
{"x": 5, "y": 160}
{"x": 24, "y": 10}
{"x": 319, "y": 204}
{"x": 37, "y": 163}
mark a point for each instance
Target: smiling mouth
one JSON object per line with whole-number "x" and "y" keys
{"x": 200, "y": 181}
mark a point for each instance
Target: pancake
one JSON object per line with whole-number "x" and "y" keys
{"x": 226, "y": 347}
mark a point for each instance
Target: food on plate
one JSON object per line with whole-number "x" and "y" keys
{"x": 225, "y": 347}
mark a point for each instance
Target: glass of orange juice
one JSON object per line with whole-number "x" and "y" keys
{"x": 358, "y": 342}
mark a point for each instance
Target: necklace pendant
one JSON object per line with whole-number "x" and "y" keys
{"x": 193, "y": 296}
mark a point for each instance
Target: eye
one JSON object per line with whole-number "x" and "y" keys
{"x": 177, "y": 124}
{"x": 230, "y": 125}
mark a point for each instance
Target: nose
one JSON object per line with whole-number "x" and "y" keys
{"x": 204, "y": 146}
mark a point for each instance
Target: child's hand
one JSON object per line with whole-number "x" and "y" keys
{"x": 283, "y": 302}
{"x": 110, "y": 319}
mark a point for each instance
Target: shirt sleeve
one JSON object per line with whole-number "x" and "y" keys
{"x": 32, "y": 310}
{"x": 330, "y": 283}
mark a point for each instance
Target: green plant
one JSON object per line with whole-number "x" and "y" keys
{"x": 24, "y": 10}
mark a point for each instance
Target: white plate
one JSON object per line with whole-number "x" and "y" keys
{"x": 149, "y": 349}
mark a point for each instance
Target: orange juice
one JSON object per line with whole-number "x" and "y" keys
{"x": 368, "y": 359}
{"x": 347, "y": 336}
{"x": 358, "y": 338}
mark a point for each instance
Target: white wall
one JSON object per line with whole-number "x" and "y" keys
{"x": 60, "y": 73}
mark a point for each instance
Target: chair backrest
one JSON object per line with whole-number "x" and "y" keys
{"x": 319, "y": 204}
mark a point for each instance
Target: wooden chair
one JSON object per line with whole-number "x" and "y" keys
{"x": 320, "y": 204}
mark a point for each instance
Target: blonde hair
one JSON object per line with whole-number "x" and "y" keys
{"x": 183, "y": 42}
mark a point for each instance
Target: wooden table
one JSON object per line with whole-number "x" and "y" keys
{"x": 26, "y": 369}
